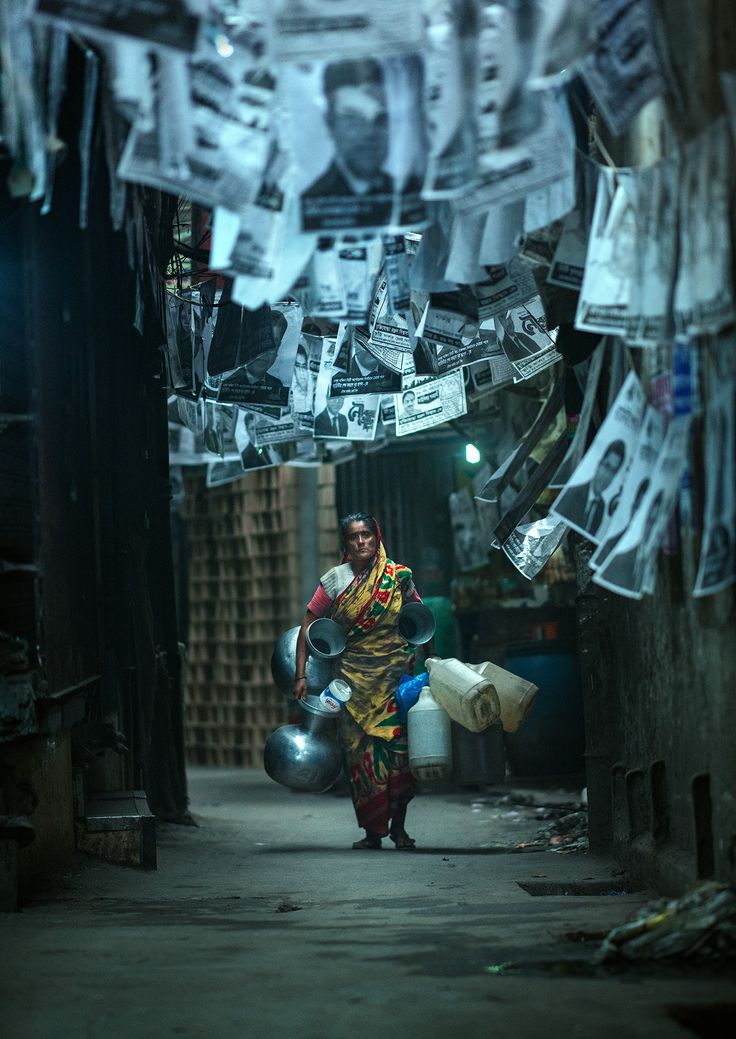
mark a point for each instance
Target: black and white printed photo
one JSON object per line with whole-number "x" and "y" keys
{"x": 266, "y": 377}
{"x": 358, "y": 134}
{"x": 716, "y": 569}
{"x": 589, "y": 499}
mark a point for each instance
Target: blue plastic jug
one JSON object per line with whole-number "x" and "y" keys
{"x": 408, "y": 692}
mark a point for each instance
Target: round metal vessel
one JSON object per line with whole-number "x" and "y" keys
{"x": 283, "y": 666}
{"x": 325, "y": 638}
{"x": 416, "y": 623}
{"x": 305, "y": 756}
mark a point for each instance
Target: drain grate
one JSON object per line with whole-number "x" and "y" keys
{"x": 578, "y": 887}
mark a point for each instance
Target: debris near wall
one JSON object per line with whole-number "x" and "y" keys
{"x": 699, "y": 927}
{"x": 567, "y": 830}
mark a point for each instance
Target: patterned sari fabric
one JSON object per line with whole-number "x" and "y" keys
{"x": 374, "y": 740}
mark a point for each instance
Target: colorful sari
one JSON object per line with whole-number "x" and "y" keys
{"x": 373, "y": 738}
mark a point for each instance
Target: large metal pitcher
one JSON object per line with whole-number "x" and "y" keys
{"x": 305, "y": 756}
{"x": 325, "y": 642}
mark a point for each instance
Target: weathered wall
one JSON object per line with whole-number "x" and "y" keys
{"x": 661, "y": 727}
{"x": 45, "y": 763}
{"x": 659, "y": 674}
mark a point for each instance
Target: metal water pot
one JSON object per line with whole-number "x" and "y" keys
{"x": 305, "y": 756}
{"x": 283, "y": 666}
{"x": 325, "y": 642}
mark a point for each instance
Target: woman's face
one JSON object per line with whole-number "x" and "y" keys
{"x": 361, "y": 544}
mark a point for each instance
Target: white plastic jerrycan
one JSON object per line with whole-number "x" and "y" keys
{"x": 469, "y": 698}
{"x": 430, "y": 742}
{"x": 515, "y": 694}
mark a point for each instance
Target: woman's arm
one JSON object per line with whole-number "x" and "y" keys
{"x": 300, "y": 680}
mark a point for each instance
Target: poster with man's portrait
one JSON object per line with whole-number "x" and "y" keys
{"x": 427, "y": 401}
{"x": 630, "y": 568}
{"x": 588, "y": 500}
{"x": 304, "y": 380}
{"x": 636, "y": 485}
{"x": 357, "y": 137}
{"x": 716, "y": 567}
{"x": 341, "y": 417}
{"x": 253, "y": 456}
{"x": 365, "y": 374}
{"x": 271, "y": 348}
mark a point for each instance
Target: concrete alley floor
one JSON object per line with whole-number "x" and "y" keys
{"x": 263, "y": 922}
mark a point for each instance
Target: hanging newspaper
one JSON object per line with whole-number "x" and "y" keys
{"x": 168, "y": 23}
{"x": 303, "y": 30}
{"x": 485, "y": 377}
{"x": 716, "y": 568}
{"x": 253, "y": 457}
{"x": 650, "y": 310}
{"x": 216, "y": 151}
{"x": 304, "y": 381}
{"x": 450, "y": 63}
{"x": 543, "y": 211}
{"x": 580, "y": 437}
{"x": 542, "y": 425}
{"x": 275, "y": 431}
{"x": 395, "y": 360}
{"x": 356, "y": 132}
{"x": 467, "y": 540}
{"x": 624, "y": 71}
{"x": 545, "y": 156}
{"x": 360, "y": 259}
{"x": 386, "y": 327}
{"x": 261, "y": 247}
{"x": 636, "y": 485}
{"x": 589, "y": 498}
{"x": 266, "y": 376}
{"x": 396, "y": 272}
{"x": 506, "y": 286}
{"x": 704, "y": 300}
{"x": 525, "y": 340}
{"x": 483, "y": 346}
{"x": 428, "y": 401}
{"x": 365, "y": 374}
{"x": 605, "y": 295}
{"x": 220, "y": 473}
{"x": 530, "y": 546}
{"x": 450, "y": 319}
{"x": 530, "y": 492}
{"x": 493, "y": 27}
{"x": 631, "y": 565}
{"x": 568, "y": 262}
{"x": 341, "y": 417}
{"x": 466, "y": 234}
{"x": 326, "y": 295}
{"x": 564, "y": 35}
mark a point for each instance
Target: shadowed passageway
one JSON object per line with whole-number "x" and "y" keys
{"x": 262, "y": 922}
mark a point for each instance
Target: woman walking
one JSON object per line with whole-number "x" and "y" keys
{"x": 364, "y": 595}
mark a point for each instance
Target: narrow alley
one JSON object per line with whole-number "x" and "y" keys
{"x": 263, "y": 922}
{"x": 367, "y": 519}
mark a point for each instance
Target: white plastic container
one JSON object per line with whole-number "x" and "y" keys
{"x": 335, "y": 695}
{"x": 515, "y": 694}
{"x": 470, "y": 699}
{"x": 430, "y": 740}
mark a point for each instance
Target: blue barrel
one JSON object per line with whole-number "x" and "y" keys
{"x": 551, "y": 741}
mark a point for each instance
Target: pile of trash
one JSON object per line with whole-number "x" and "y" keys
{"x": 699, "y": 927}
{"x": 567, "y": 830}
